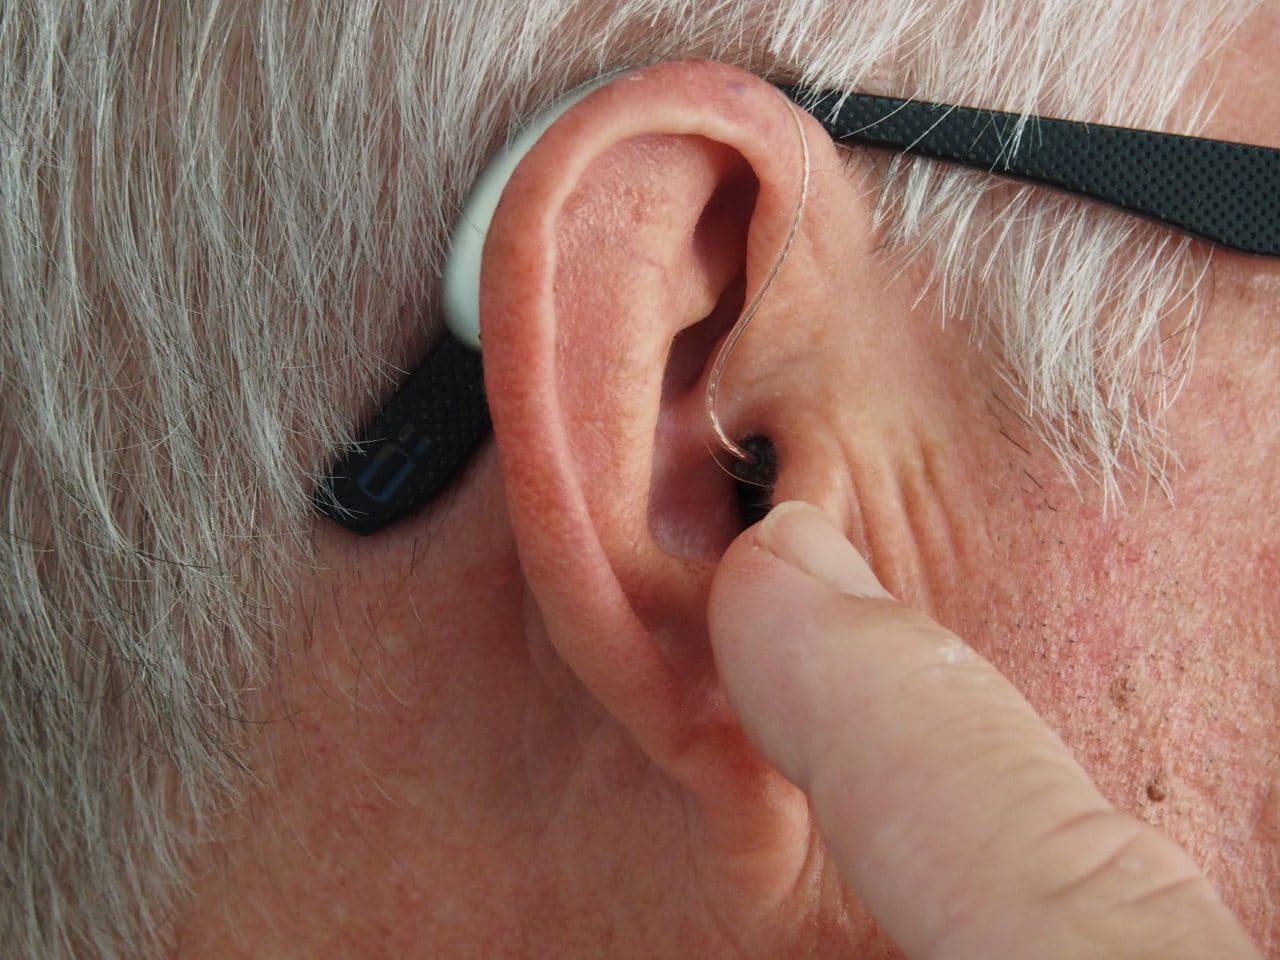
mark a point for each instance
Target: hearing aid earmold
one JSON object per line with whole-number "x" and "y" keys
{"x": 755, "y": 479}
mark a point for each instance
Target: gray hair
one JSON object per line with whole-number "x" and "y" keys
{"x": 215, "y": 218}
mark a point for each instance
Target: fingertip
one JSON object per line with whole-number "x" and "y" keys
{"x": 803, "y": 536}
{"x": 804, "y": 541}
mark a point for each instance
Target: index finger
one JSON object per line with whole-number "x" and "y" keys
{"x": 954, "y": 813}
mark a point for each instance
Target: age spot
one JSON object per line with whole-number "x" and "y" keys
{"x": 1158, "y": 788}
{"x": 1122, "y": 691}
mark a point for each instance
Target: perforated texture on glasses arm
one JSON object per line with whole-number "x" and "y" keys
{"x": 1228, "y": 193}
{"x": 415, "y": 446}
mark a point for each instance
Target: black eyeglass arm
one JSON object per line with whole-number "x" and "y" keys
{"x": 414, "y": 447}
{"x": 1228, "y": 193}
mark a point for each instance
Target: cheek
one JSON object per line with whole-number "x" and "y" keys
{"x": 1074, "y": 618}
{"x": 1141, "y": 644}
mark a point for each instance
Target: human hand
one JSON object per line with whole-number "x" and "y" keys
{"x": 954, "y": 814}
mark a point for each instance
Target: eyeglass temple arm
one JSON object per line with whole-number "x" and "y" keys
{"x": 414, "y": 447}
{"x": 1228, "y": 193}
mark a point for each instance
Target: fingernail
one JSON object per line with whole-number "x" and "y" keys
{"x": 802, "y": 536}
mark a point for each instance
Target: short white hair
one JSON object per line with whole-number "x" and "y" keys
{"x": 218, "y": 220}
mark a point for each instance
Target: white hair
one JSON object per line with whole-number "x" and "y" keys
{"x": 215, "y": 218}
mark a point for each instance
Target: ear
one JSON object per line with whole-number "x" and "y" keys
{"x": 617, "y": 261}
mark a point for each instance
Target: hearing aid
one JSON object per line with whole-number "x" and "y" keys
{"x": 460, "y": 279}
{"x": 754, "y": 463}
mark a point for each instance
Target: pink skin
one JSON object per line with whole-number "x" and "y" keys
{"x": 506, "y": 734}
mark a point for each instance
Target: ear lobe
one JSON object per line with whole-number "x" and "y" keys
{"x": 616, "y": 261}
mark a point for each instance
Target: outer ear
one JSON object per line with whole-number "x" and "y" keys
{"x": 616, "y": 262}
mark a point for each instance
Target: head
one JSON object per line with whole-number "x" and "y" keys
{"x": 225, "y": 237}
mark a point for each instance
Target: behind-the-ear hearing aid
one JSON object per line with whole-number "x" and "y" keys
{"x": 460, "y": 278}
{"x": 1225, "y": 193}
